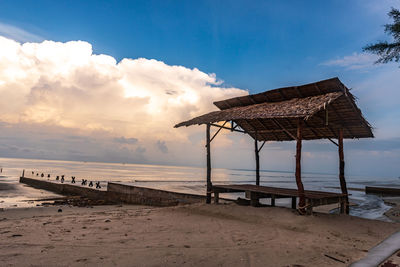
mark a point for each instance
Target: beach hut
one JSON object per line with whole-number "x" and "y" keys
{"x": 319, "y": 110}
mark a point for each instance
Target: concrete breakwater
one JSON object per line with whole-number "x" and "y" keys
{"x": 114, "y": 192}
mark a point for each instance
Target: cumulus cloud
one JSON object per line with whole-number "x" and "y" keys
{"x": 65, "y": 88}
{"x": 61, "y": 101}
{"x": 354, "y": 61}
{"x": 65, "y": 84}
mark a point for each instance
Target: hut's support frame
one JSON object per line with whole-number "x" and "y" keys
{"x": 320, "y": 110}
{"x": 300, "y": 187}
{"x": 209, "y": 184}
{"x": 208, "y": 148}
{"x": 257, "y": 153}
{"x": 342, "y": 179}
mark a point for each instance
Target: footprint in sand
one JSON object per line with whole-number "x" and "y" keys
{"x": 16, "y": 235}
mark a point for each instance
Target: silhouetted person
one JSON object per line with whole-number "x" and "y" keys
{"x": 98, "y": 185}
{"x": 57, "y": 178}
{"x": 90, "y": 184}
{"x": 73, "y": 179}
{"x": 84, "y": 182}
{"x": 62, "y": 179}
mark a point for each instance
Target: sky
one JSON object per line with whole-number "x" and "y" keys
{"x": 108, "y": 80}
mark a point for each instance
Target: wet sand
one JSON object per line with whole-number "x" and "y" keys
{"x": 193, "y": 235}
{"x": 394, "y": 213}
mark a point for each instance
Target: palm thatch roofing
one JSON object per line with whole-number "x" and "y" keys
{"x": 325, "y": 107}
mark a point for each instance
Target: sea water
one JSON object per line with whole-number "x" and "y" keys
{"x": 180, "y": 179}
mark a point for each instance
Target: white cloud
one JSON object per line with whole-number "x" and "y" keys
{"x": 354, "y": 61}
{"x": 63, "y": 87}
{"x": 60, "y": 101}
{"x": 378, "y": 95}
{"x": 18, "y": 34}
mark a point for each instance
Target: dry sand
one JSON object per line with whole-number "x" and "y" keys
{"x": 195, "y": 235}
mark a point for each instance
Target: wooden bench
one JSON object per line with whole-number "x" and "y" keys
{"x": 255, "y": 192}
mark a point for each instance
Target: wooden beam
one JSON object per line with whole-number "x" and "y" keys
{"x": 340, "y": 118}
{"x": 337, "y": 113}
{"x": 257, "y": 160}
{"x": 318, "y": 134}
{"x": 237, "y": 126}
{"x": 298, "y": 92}
{"x": 317, "y": 87}
{"x": 300, "y": 187}
{"x": 356, "y": 110}
{"x": 313, "y": 130}
{"x": 266, "y": 130}
{"x": 228, "y": 128}
{"x": 233, "y": 127}
{"x": 333, "y": 142}
{"x": 343, "y": 185}
{"x": 282, "y": 95}
{"x": 258, "y": 120}
{"x": 218, "y": 131}
{"x": 262, "y": 146}
{"x": 336, "y": 124}
{"x": 284, "y": 129}
{"x": 240, "y": 104}
{"x": 291, "y": 125}
{"x": 252, "y": 99}
{"x": 209, "y": 185}
{"x": 329, "y": 127}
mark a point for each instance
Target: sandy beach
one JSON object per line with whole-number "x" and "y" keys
{"x": 191, "y": 235}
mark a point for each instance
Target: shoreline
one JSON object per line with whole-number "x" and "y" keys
{"x": 196, "y": 234}
{"x": 394, "y": 212}
{"x": 185, "y": 180}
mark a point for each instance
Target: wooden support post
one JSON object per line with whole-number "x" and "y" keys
{"x": 309, "y": 208}
{"x": 209, "y": 185}
{"x": 23, "y": 173}
{"x": 300, "y": 187}
{"x": 342, "y": 206}
{"x": 273, "y": 200}
{"x": 257, "y": 160}
{"x": 343, "y": 185}
{"x": 294, "y": 199}
{"x": 254, "y": 199}
{"x": 216, "y": 197}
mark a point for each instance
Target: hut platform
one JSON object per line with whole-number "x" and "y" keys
{"x": 384, "y": 191}
{"x": 256, "y": 192}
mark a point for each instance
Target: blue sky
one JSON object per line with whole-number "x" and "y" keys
{"x": 251, "y": 45}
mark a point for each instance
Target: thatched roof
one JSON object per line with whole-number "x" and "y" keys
{"x": 325, "y": 107}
